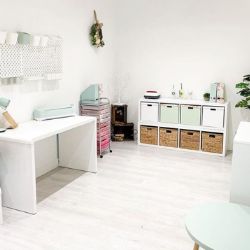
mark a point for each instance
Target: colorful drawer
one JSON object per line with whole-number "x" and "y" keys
{"x": 191, "y": 115}
{"x": 169, "y": 113}
{"x": 169, "y": 137}
{"x": 149, "y": 135}
{"x": 212, "y": 142}
{"x": 213, "y": 117}
{"x": 190, "y": 139}
{"x": 149, "y": 112}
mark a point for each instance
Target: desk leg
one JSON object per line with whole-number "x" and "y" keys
{"x": 78, "y": 149}
{"x": 196, "y": 246}
{"x": 17, "y": 176}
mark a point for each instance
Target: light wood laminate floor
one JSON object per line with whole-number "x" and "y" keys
{"x": 137, "y": 201}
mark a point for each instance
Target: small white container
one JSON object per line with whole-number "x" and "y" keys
{"x": 35, "y": 40}
{"x": 11, "y": 38}
{"x": 44, "y": 41}
{"x": 3, "y": 37}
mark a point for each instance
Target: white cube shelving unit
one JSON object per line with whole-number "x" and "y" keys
{"x": 212, "y": 119}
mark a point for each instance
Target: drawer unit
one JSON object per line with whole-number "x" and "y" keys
{"x": 212, "y": 142}
{"x": 190, "y": 139}
{"x": 169, "y": 137}
{"x": 149, "y": 112}
{"x": 169, "y": 113}
{"x": 213, "y": 117}
{"x": 149, "y": 135}
{"x": 191, "y": 115}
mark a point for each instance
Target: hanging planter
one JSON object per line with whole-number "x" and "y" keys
{"x": 96, "y": 33}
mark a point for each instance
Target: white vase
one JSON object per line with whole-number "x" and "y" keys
{"x": 35, "y": 40}
{"x": 44, "y": 41}
{"x": 2, "y": 37}
{"x": 11, "y": 38}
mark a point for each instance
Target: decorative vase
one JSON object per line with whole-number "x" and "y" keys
{"x": 2, "y": 37}
{"x": 44, "y": 41}
{"x": 23, "y": 38}
{"x": 35, "y": 40}
{"x": 11, "y": 38}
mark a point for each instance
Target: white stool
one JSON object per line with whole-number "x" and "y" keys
{"x": 1, "y": 214}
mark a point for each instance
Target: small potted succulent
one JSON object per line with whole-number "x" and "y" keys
{"x": 206, "y": 97}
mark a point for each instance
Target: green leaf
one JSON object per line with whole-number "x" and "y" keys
{"x": 242, "y": 104}
{"x": 242, "y": 85}
{"x": 244, "y": 92}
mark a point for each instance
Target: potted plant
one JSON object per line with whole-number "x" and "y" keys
{"x": 206, "y": 97}
{"x": 244, "y": 91}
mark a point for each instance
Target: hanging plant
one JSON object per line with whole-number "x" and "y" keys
{"x": 244, "y": 91}
{"x": 96, "y": 33}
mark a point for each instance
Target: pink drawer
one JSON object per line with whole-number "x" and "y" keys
{"x": 104, "y": 146}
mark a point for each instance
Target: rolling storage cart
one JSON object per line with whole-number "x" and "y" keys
{"x": 101, "y": 111}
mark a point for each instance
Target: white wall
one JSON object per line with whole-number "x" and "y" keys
{"x": 196, "y": 42}
{"x": 149, "y": 45}
{"x": 83, "y": 64}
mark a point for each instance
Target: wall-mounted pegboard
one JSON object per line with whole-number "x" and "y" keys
{"x": 29, "y": 62}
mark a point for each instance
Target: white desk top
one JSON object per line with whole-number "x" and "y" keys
{"x": 243, "y": 133}
{"x": 32, "y": 131}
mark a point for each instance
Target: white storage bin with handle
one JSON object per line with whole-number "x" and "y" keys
{"x": 149, "y": 112}
{"x": 213, "y": 117}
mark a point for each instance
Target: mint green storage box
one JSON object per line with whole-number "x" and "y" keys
{"x": 191, "y": 115}
{"x": 169, "y": 113}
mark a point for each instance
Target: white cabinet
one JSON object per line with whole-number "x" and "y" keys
{"x": 149, "y": 112}
{"x": 240, "y": 180}
{"x": 213, "y": 117}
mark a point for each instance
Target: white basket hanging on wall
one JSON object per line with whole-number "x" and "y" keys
{"x": 41, "y": 59}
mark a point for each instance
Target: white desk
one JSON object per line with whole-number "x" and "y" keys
{"x": 240, "y": 182}
{"x": 68, "y": 142}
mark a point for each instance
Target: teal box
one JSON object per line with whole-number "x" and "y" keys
{"x": 169, "y": 113}
{"x": 191, "y": 115}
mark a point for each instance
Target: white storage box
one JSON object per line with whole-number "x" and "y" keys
{"x": 213, "y": 117}
{"x": 149, "y": 112}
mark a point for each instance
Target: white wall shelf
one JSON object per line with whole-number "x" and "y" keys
{"x": 145, "y": 121}
{"x": 29, "y": 62}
